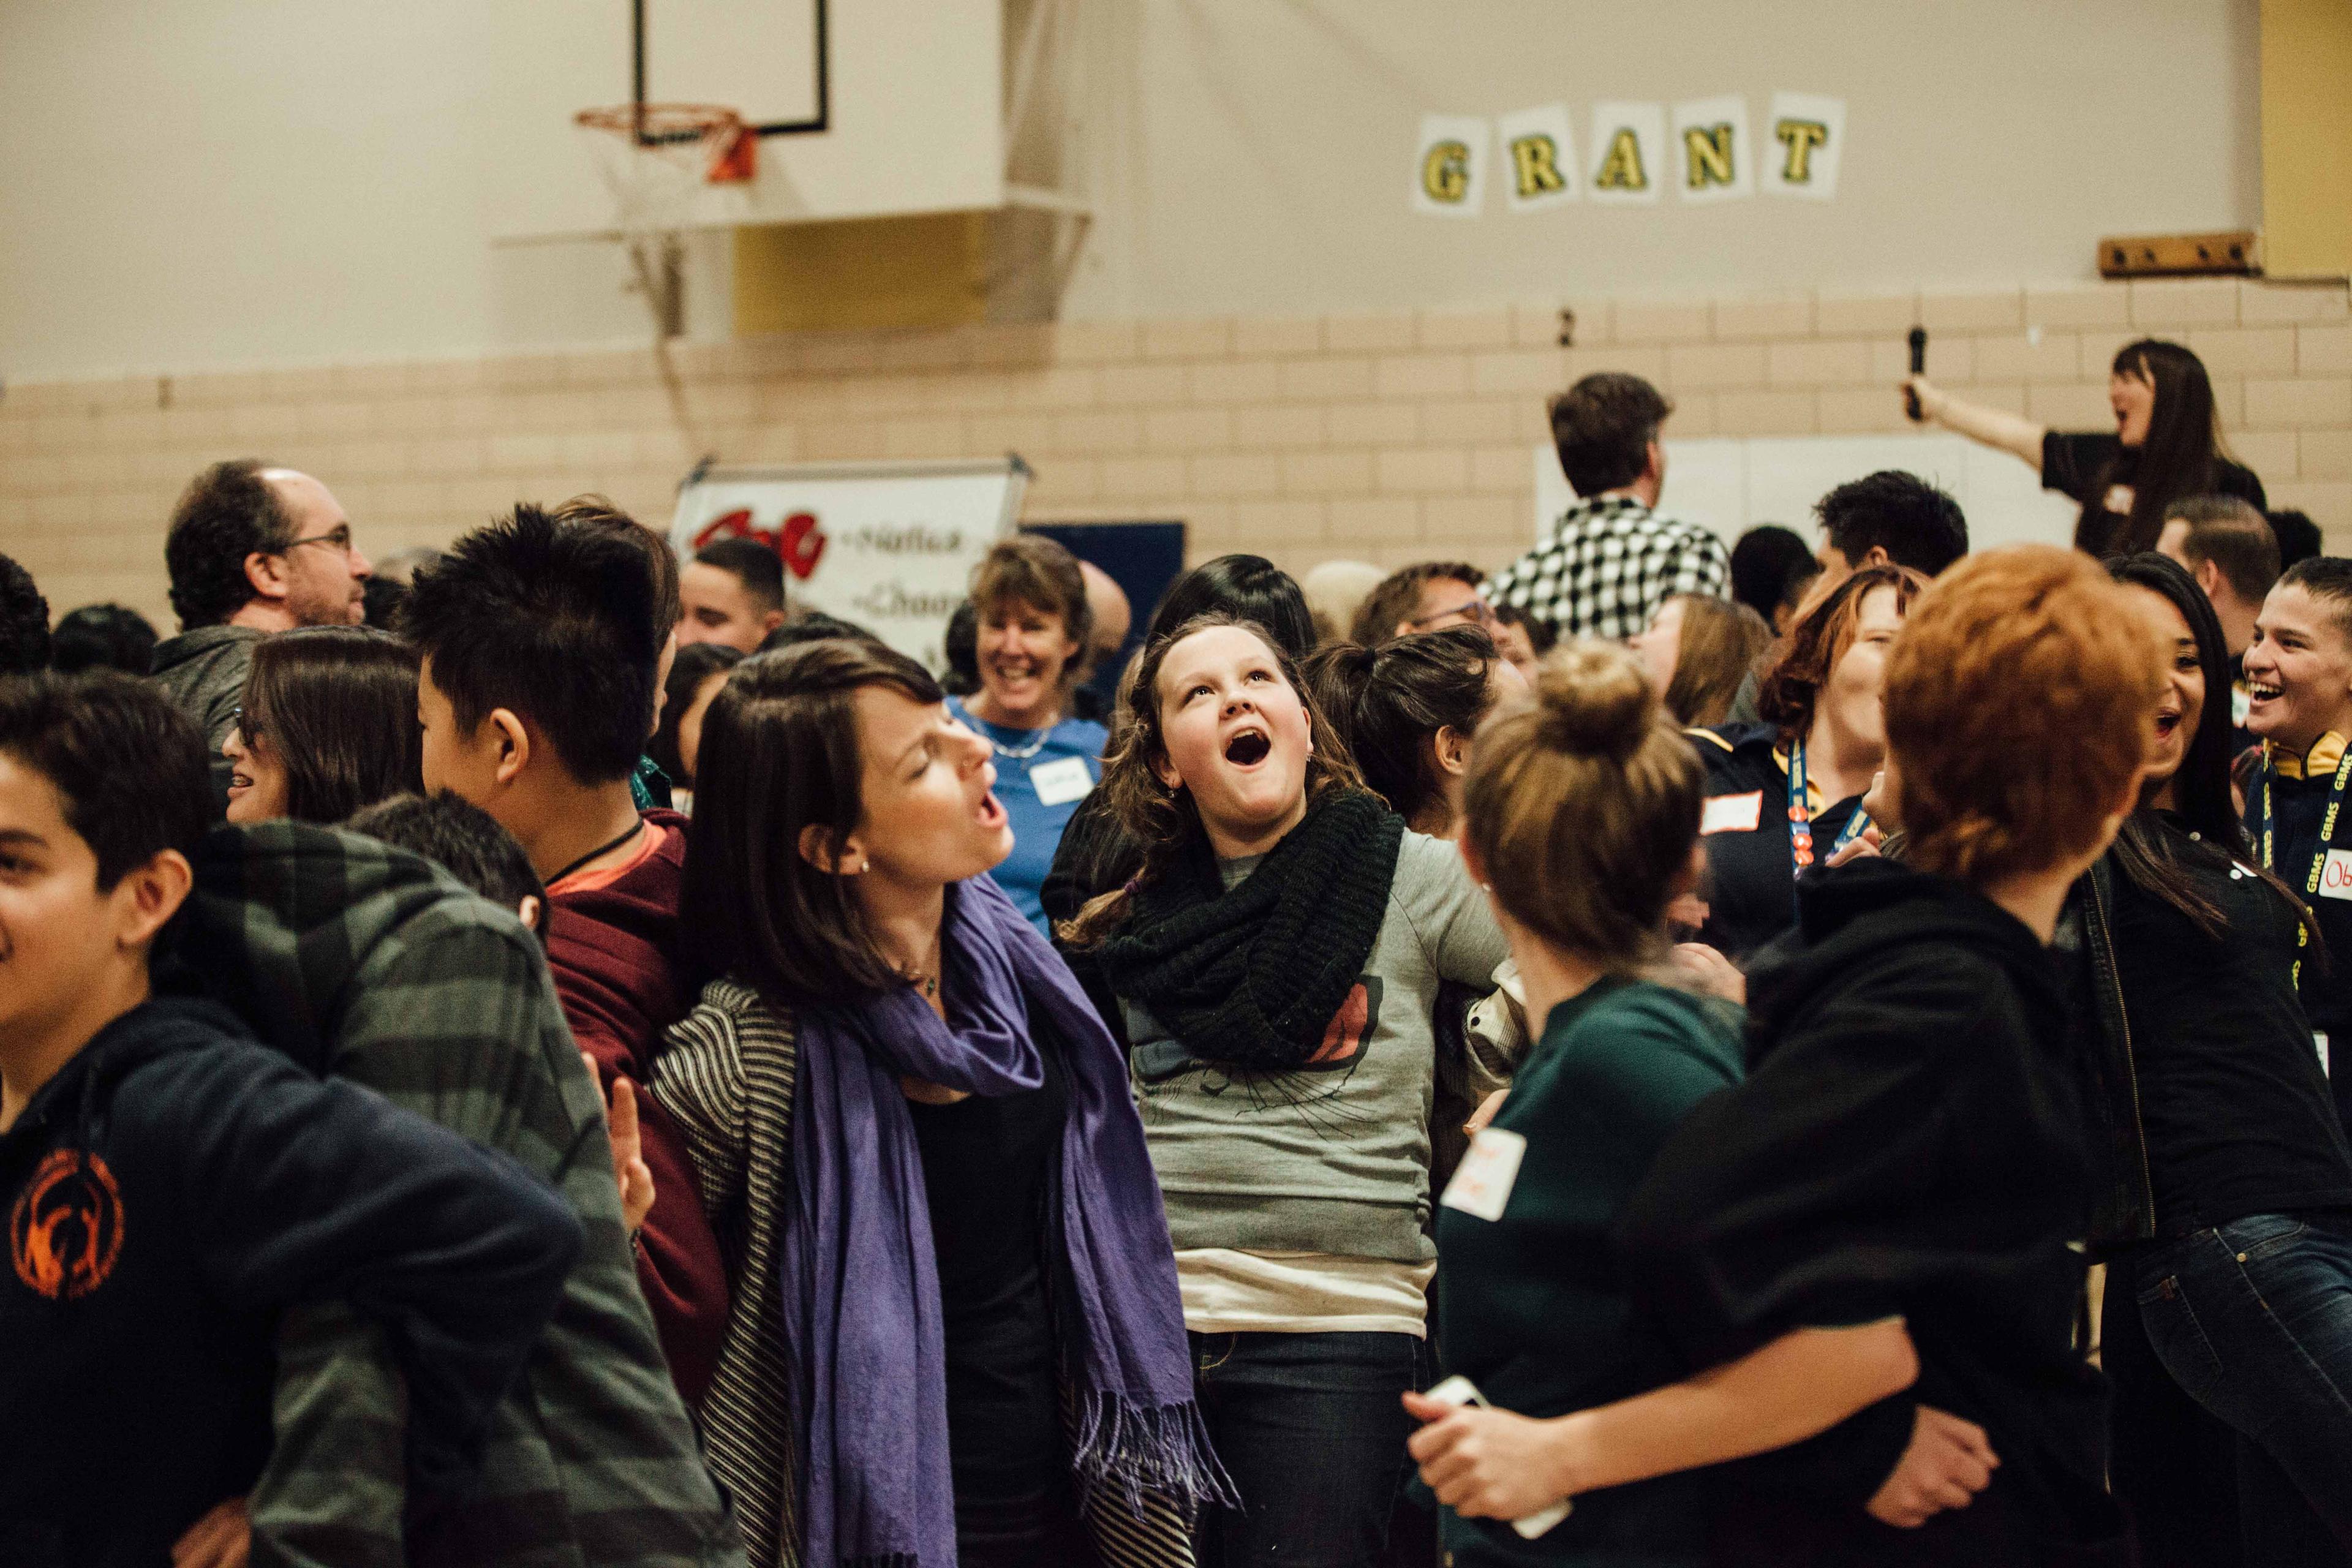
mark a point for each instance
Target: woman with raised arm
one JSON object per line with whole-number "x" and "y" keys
{"x": 2165, "y": 447}
{"x": 1277, "y": 959}
{"x": 955, "y": 1334}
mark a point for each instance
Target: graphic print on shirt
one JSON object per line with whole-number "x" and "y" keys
{"x": 1160, "y": 1055}
{"x": 64, "y": 1233}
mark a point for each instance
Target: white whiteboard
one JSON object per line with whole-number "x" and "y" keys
{"x": 887, "y": 545}
{"x": 1730, "y": 485}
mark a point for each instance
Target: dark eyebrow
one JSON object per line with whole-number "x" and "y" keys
{"x": 21, "y": 836}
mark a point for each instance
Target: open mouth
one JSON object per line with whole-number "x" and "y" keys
{"x": 990, "y": 811}
{"x": 1248, "y": 748}
{"x": 239, "y": 781}
{"x": 2263, "y": 692}
{"x": 2166, "y": 723}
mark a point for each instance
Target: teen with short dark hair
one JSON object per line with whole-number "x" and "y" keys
{"x": 731, "y": 594}
{"x": 1279, "y": 959}
{"x": 2230, "y": 547}
{"x": 464, "y": 841}
{"x": 948, "y": 1242}
{"x": 2224, "y": 1181}
{"x": 251, "y": 550}
{"x": 1427, "y": 596}
{"x": 1604, "y": 565}
{"x": 172, "y": 1187}
{"x": 1032, "y": 631}
{"x": 327, "y": 725}
{"x": 542, "y": 637}
{"x": 102, "y": 637}
{"x": 24, "y": 622}
{"x": 2298, "y": 536}
{"x": 2299, "y": 686}
{"x": 1771, "y": 568}
{"x": 2165, "y": 447}
{"x": 1889, "y": 519}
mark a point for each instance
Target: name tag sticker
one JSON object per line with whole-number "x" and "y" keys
{"x": 1061, "y": 781}
{"x": 2336, "y": 877}
{"x": 2319, "y": 1043}
{"x": 1482, "y": 1184}
{"x": 1731, "y": 812}
{"x": 2242, "y": 704}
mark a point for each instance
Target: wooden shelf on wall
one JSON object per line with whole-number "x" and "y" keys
{"x": 2231, "y": 253}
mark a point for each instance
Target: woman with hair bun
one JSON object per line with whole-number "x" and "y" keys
{"x": 1407, "y": 710}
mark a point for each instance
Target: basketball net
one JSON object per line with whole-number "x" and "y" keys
{"x": 655, "y": 158}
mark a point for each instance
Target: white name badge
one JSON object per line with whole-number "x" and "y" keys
{"x": 1482, "y": 1184}
{"x": 1731, "y": 812}
{"x": 2319, "y": 1043}
{"x": 2242, "y": 704}
{"x": 2336, "y": 877}
{"x": 1061, "y": 781}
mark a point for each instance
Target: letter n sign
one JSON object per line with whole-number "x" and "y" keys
{"x": 1713, "y": 160}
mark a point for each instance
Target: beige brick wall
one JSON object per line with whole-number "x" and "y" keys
{"x": 1388, "y": 437}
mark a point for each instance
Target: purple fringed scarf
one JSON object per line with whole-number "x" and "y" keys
{"x": 861, "y": 1281}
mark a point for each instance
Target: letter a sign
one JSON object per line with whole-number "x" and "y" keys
{"x": 1450, "y": 174}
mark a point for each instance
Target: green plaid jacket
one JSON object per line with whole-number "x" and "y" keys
{"x": 374, "y": 965}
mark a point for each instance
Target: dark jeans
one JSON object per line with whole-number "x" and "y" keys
{"x": 1311, "y": 1428}
{"x": 2253, "y": 1321}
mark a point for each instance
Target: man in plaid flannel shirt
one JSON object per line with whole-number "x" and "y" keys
{"x": 1611, "y": 559}
{"x": 366, "y": 962}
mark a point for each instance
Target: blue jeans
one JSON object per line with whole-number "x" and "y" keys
{"x": 1311, "y": 1428}
{"x": 2253, "y": 1321}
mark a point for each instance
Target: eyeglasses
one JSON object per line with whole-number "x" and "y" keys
{"x": 337, "y": 539}
{"x": 1479, "y": 611}
{"x": 243, "y": 723}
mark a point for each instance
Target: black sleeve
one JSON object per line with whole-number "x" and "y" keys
{"x": 2072, "y": 460}
{"x": 1090, "y": 841}
{"x": 301, "y": 1190}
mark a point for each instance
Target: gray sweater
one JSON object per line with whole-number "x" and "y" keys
{"x": 1334, "y": 1158}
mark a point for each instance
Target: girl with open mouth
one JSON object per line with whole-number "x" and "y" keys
{"x": 1278, "y": 961}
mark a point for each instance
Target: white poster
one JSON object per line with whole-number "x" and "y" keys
{"x": 1805, "y": 139}
{"x": 887, "y": 545}
{"x": 1449, "y": 177}
{"x": 1713, "y": 161}
{"x": 1628, "y": 152}
{"x": 1539, "y": 158}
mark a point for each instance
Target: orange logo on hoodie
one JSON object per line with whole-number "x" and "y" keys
{"x": 65, "y": 1231}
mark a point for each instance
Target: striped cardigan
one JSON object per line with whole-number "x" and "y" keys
{"x": 726, "y": 1077}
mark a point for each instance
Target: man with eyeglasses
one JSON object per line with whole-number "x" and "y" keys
{"x": 252, "y": 550}
{"x": 1427, "y": 596}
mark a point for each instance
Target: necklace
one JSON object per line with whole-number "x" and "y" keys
{"x": 605, "y": 848}
{"x": 928, "y": 985}
{"x": 1013, "y": 754}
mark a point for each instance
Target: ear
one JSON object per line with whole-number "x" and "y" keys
{"x": 508, "y": 739}
{"x": 769, "y": 621}
{"x": 150, "y": 895}
{"x": 817, "y": 848}
{"x": 1877, "y": 557}
{"x": 2208, "y": 577}
{"x": 1453, "y": 750}
{"x": 1165, "y": 770}
{"x": 1654, "y": 462}
{"x": 266, "y": 575}
{"x": 527, "y": 910}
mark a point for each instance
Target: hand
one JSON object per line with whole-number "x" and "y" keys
{"x": 1855, "y": 848}
{"x": 1933, "y": 399}
{"x": 1715, "y": 975}
{"x": 635, "y": 1177}
{"x": 1948, "y": 1461}
{"x": 1485, "y": 1464}
{"x": 1487, "y": 1112}
{"x": 222, "y": 1539}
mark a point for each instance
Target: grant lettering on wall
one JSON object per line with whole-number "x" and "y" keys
{"x": 1538, "y": 163}
{"x": 1807, "y": 140}
{"x": 1705, "y": 150}
{"x": 1628, "y": 151}
{"x": 1450, "y": 172}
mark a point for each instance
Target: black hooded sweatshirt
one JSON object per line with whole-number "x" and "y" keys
{"x": 166, "y": 1194}
{"x": 1907, "y": 1142}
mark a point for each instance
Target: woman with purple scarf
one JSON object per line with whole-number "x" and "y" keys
{"x": 955, "y": 1335}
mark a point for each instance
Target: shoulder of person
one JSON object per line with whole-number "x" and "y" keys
{"x": 737, "y": 1009}
{"x": 1429, "y": 866}
{"x": 1087, "y": 734}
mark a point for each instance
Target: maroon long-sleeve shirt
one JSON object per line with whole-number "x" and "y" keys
{"x": 612, "y": 944}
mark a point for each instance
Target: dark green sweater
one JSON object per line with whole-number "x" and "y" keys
{"x": 1533, "y": 1306}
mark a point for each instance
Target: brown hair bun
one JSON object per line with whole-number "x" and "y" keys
{"x": 1593, "y": 701}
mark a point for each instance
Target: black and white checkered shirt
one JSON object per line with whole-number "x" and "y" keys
{"x": 1609, "y": 563}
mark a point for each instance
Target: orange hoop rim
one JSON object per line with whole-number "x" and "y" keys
{"x": 663, "y": 123}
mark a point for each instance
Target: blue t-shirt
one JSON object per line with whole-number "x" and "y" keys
{"x": 1069, "y": 746}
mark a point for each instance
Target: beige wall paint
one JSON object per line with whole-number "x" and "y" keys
{"x": 1386, "y": 436}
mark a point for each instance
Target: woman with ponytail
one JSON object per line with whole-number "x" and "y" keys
{"x": 1277, "y": 959}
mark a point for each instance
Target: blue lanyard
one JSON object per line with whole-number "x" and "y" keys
{"x": 2266, "y": 841}
{"x": 1800, "y": 817}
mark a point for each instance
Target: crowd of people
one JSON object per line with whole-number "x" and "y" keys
{"x": 1657, "y": 1054}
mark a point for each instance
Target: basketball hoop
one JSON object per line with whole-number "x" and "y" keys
{"x": 655, "y": 158}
